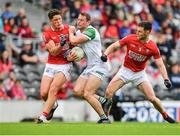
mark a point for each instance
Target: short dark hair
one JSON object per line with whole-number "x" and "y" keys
{"x": 8, "y": 4}
{"x": 53, "y": 12}
{"x": 88, "y": 17}
{"x": 146, "y": 25}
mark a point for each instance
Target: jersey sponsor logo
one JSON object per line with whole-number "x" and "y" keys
{"x": 136, "y": 56}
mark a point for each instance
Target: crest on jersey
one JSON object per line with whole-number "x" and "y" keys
{"x": 139, "y": 49}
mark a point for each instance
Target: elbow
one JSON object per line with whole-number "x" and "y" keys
{"x": 160, "y": 65}
{"x": 74, "y": 43}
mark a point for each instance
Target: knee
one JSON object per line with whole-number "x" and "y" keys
{"x": 87, "y": 95}
{"x": 76, "y": 92}
{"x": 53, "y": 90}
{"x": 44, "y": 95}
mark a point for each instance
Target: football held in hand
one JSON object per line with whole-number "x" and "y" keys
{"x": 79, "y": 52}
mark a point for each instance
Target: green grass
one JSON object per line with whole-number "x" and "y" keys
{"x": 117, "y": 128}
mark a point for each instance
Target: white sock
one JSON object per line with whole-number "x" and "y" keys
{"x": 102, "y": 100}
{"x": 43, "y": 118}
{"x": 103, "y": 116}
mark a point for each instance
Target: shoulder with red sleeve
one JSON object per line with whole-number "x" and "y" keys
{"x": 46, "y": 36}
{"x": 66, "y": 26}
{"x": 126, "y": 39}
{"x": 154, "y": 48}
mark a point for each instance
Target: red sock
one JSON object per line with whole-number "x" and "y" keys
{"x": 164, "y": 114}
{"x": 45, "y": 114}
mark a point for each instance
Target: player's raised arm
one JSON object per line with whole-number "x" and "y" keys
{"x": 112, "y": 48}
{"x": 109, "y": 50}
{"x": 53, "y": 48}
{"x": 75, "y": 40}
{"x": 162, "y": 68}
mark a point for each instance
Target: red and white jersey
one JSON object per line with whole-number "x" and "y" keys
{"x": 57, "y": 37}
{"x": 138, "y": 52}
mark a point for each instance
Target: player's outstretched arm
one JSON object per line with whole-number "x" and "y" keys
{"x": 53, "y": 48}
{"x": 111, "y": 48}
{"x": 162, "y": 68}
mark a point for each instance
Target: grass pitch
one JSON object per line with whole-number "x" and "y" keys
{"x": 116, "y": 128}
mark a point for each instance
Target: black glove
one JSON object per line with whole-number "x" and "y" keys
{"x": 104, "y": 58}
{"x": 63, "y": 42}
{"x": 168, "y": 83}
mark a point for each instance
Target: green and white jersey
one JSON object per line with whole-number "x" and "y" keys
{"x": 92, "y": 47}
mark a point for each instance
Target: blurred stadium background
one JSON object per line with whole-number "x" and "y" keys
{"x": 21, "y": 25}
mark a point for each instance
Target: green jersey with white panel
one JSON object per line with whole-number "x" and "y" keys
{"x": 93, "y": 52}
{"x": 92, "y": 47}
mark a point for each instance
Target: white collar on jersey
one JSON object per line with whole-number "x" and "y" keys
{"x": 148, "y": 40}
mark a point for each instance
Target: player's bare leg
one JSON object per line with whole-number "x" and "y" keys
{"x": 90, "y": 89}
{"x": 79, "y": 86}
{"x": 58, "y": 80}
{"x": 44, "y": 90}
{"x": 45, "y": 85}
{"x": 147, "y": 89}
{"x": 115, "y": 84}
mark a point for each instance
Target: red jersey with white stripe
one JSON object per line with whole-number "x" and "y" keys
{"x": 57, "y": 37}
{"x": 138, "y": 52}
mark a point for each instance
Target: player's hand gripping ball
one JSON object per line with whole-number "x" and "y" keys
{"x": 79, "y": 53}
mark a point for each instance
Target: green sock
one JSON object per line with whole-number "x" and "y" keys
{"x": 102, "y": 100}
{"x": 103, "y": 116}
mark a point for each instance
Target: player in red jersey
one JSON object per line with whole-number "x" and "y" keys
{"x": 139, "y": 49}
{"x": 57, "y": 69}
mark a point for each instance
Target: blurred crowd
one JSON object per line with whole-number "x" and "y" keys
{"x": 22, "y": 61}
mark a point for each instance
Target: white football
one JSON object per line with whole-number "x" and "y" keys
{"x": 79, "y": 52}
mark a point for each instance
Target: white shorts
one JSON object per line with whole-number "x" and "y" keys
{"x": 99, "y": 70}
{"x": 52, "y": 69}
{"x": 128, "y": 75}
